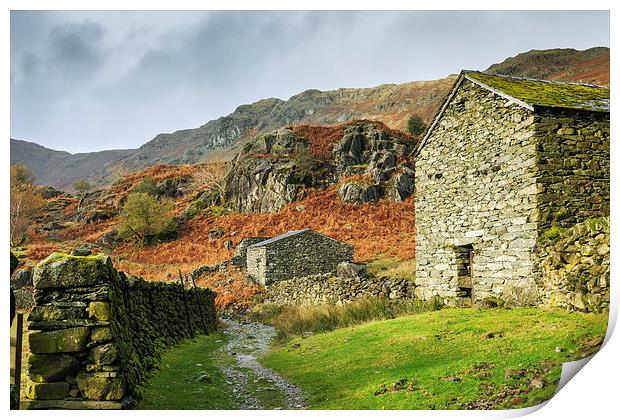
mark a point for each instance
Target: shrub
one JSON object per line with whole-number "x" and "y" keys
{"x": 144, "y": 217}
{"x": 415, "y": 125}
{"x": 148, "y": 186}
{"x": 304, "y": 163}
{"x": 82, "y": 186}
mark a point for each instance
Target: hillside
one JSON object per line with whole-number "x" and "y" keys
{"x": 568, "y": 65}
{"x": 380, "y": 224}
{"x": 61, "y": 169}
{"x": 220, "y": 139}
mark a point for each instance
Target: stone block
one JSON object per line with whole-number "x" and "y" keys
{"x": 59, "y": 341}
{"x": 47, "y": 391}
{"x": 62, "y": 271}
{"x": 105, "y": 354}
{"x": 51, "y": 367}
{"x": 99, "y": 311}
{"x": 50, "y": 312}
{"x": 100, "y": 334}
{"x": 94, "y": 387}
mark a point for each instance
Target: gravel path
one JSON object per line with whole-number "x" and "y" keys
{"x": 247, "y": 341}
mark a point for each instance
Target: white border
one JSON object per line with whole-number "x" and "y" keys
{"x": 592, "y": 394}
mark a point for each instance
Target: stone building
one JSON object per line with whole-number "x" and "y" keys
{"x": 503, "y": 161}
{"x": 297, "y": 253}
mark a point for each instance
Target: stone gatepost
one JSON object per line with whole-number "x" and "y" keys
{"x": 74, "y": 359}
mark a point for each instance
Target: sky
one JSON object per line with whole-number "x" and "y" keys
{"x": 89, "y": 81}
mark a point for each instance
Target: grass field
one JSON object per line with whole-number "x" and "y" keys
{"x": 448, "y": 359}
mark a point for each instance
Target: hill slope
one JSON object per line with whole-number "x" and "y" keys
{"x": 61, "y": 169}
{"x": 568, "y": 65}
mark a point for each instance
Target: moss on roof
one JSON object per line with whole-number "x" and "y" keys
{"x": 544, "y": 93}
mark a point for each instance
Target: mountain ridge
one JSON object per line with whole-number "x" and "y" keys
{"x": 220, "y": 138}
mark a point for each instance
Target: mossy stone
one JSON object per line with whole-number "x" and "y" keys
{"x": 99, "y": 311}
{"x": 48, "y": 391}
{"x": 60, "y": 341}
{"x": 54, "y": 313}
{"x": 100, "y": 334}
{"x": 94, "y": 387}
{"x": 105, "y": 354}
{"x": 61, "y": 271}
{"x": 51, "y": 367}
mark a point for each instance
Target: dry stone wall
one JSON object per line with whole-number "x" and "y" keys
{"x": 575, "y": 266}
{"x": 573, "y": 167}
{"x": 328, "y": 289}
{"x": 95, "y": 333}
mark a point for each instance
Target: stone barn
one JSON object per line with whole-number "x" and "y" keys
{"x": 297, "y": 253}
{"x": 503, "y": 161}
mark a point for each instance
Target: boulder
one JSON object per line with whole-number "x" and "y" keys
{"x": 215, "y": 233}
{"x": 22, "y": 278}
{"x": 81, "y": 251}
{"x": 358, "y": 192}
{"x": 99, "y": 311}
{"x": 100, "y": 334}
{"x": 53, "y": 313}
{"x": 401, "y": 187}
{"x": 349, "y": 270}
{"x": 105, "y": 354}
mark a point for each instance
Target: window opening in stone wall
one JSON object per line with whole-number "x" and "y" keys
{"x": 465, "y": 272}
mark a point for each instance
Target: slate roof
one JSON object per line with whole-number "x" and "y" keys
{"x": 279, "y": 237}
{"x": 544, "y": 93}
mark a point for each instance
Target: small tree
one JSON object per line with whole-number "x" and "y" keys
{"x": 304, "y": 162}
{"x": 82, "y": 186}
{"x": 26, "y": 202}
{"x": 415, "y": 125}
{"x": 144, "y": 217}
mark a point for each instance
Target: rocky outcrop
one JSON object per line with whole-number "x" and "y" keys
{"x": 369, "y": 162}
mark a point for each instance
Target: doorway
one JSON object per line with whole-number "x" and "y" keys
{"x": 465, "y": 271}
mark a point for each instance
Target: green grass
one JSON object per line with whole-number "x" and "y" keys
{"x": 299, "y": 320}
{"x": 403, "y": 363}
{"x": 181, "y": 384}
{"x": 176, "y": 386}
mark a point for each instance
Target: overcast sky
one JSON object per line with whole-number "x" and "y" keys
{"x": 87, "y": 81}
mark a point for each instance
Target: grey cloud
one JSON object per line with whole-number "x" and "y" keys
{"x": 115, "y": 79}
{"x": 76, "y": 47}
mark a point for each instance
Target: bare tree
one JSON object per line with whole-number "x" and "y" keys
{"x": 26, "y": 202}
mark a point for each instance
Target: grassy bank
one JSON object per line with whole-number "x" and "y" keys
{"x": 448, "y": 359}
{"x": 301, "y": 320}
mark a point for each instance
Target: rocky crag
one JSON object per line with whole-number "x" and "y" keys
{"x": 366, "y": 160}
